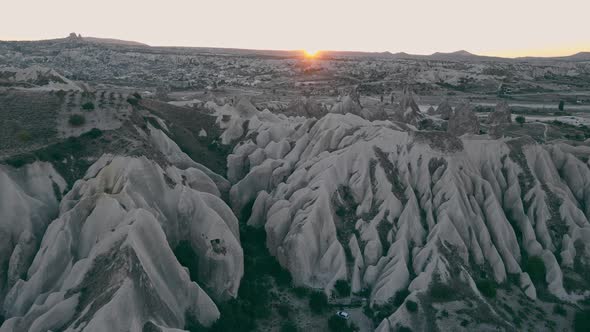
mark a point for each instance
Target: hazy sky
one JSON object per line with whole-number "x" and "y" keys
{"x": 495, "y": 27}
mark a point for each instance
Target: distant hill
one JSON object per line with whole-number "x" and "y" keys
{"x": 112, "y": 41}
{"x": 461, "y": 55}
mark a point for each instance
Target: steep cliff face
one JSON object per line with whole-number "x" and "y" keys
{"x": 390, "y": 210}
{"x": 108, "y": 260}
{"x": 29, "y": 202}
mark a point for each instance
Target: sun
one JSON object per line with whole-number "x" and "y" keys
{"x": 310, "y": 53}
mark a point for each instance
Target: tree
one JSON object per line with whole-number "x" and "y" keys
{"x": 561, "y": 105}
{"x": 76, "y": 120}
{"x": 411, "y": 306}
{"x": 535, "y": 267}
{"x": 520, "y": 119}
{"x": 23, "y": 135}
{"x": 318, "y": 302}
{"x": 487, "y": 288}
{"x": 88, "y": 106}
{"x": 289, "y": 326}
{"x": 338, "y": 324}
{"x": 582, "y": 321}
{"x": 342, "y": 288}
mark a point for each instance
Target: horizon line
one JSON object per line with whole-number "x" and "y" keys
{"x": 499, "y": 54}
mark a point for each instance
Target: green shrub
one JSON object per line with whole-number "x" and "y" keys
{"x": 289, "y": 326}
{"x": 235, "y": 316}
{"x": 23, "y": 135}
{"x": 318, "y": 302}
{"x": 136, "y": 95}
{"x": 520, "y": 120}
{"x": 300, "y": 292}
{"x": 20, "y": 160}
{"x": 441, "y": 292}
{"x": 76, "y": 120}
{"x": 88, "y": 106}
{"x": 342, "y": 288}
{"x": 93, "y": 133}
{"x": 535, "y": 267}
{"x": 411, "y": 306}
{"x": 582, "y": 321}
{"x": 400, "y": 296}
{"x": 283, "y": 309}
{"x": 559, "y": 310}
{"x": 133, "y": 101}
{"x": 338, "y": 324}
{"x": 487, "y": 288}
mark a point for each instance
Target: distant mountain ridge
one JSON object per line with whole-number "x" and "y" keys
{"x": 460, "y": 55}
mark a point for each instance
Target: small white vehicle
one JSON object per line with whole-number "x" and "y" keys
{"x": 343, "y": 314}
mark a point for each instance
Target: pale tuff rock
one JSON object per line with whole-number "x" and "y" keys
{"x": 445, "y": 110}
{"x": 463, "y": 121}
{"x": 500, "y": 115}
{"x": 499, "y": 119}
{"x": 422, "y": 206}
{"x": 407, "y": 110}
{"x": 347, "y": 104}
{"x": 37, "y": 78}
{"x": 306, "y": 106}
{"x": 116, "y": 231}
{"x": 29, "y": 201}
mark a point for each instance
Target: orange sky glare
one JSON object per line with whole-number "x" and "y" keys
{"x": 499, "y": 27}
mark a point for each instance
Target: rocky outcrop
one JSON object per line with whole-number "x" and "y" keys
{"x": 463, "y": 121}
{"x": 108, "y": 261}
{"x": 407, "y": 110}
{"x": 29, "y": 201}
{"x": 444, "y": 110}
{"x": 305, "y": 106}
{"x": 390, "y": 211}
{"x": 499, "y": 119}
{"x": 500, "y": 115}
{"x": 347, "y": 104}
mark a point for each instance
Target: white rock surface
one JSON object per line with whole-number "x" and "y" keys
{"x": 416, "y": 198}
{"x": 107, "y": 261}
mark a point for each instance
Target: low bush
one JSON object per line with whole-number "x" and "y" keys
{"x": 487, "y": 288}
{"x": 318, "y": 302}
{"x": 76, "y": 120}
{"x": 535, "y": 267}
{"x": 283, "y": 310}
{"x": 88, "y": 106}
{"x": 342, "y": 288}
{"x": 300, "y": 292}
{"x": 559, "y": 310}
{"x": 441, "y": 292}
{"x": 338, "y": 324}
{"x": 235, "y": 316}
{"x": 289, "y": 326}
{"x": 133, "y": 101}
{"x": 93, "y": 133}
{"x": 400, "y": 296}
{"x": 582, "y": 321}
{"x": 411, "y": 306}
{"x": 23, "y": 136}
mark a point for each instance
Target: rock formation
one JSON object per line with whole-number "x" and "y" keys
{"x": 305, "y": 106}
{"x": 499, "y": 119}
{"x": 389, "y": 211}
{"x": 445, "y": 110}
{"x": 407, "y": 111}
{"x": 107, "y": 261}
{"x": 463, "y": 121}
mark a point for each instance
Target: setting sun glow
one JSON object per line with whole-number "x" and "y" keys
{"x": 310, "y": 53}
